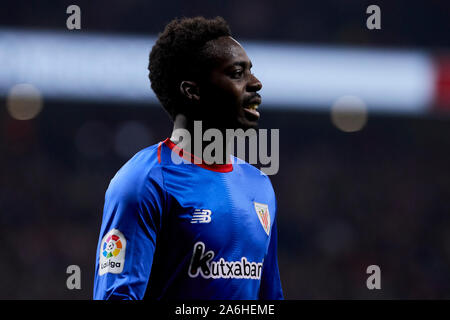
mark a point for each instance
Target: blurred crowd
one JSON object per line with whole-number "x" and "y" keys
{"x": 346, "y": 200}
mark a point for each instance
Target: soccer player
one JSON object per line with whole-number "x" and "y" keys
{"x": 187, "y": 230}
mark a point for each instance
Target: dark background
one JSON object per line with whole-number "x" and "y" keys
{"x": 346, "y": 200}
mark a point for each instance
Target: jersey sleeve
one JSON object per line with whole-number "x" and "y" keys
{"x": 270, "y": 279}
{"x": 128, "y": 233}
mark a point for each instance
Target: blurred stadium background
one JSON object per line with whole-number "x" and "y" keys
{"x": 364, "y": 127}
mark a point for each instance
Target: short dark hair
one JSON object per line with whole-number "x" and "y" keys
{"x": 178, "y": 54}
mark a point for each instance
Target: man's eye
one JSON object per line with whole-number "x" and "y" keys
{"x": 237, "y": 74}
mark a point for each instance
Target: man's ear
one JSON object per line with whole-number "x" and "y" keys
{"x": 190, "y": 90}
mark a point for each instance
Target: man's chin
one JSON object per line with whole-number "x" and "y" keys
{"x": 243, "y": 124}
{"x": 246, "y": 124}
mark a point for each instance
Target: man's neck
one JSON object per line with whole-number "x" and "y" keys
{"x": 183, "y": 125}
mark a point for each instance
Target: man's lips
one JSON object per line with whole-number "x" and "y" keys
{"x": 254, "y": 101}
{"x": 252, "y": 114}
{"x": 251, "y": 108}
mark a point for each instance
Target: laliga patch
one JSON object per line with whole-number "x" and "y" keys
{"x": 112, "y": 252}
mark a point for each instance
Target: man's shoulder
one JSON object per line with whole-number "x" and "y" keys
{"x": 136, "y": 173}
{"x": 250, "y": 171}
{"x": 141, "y": 163}
{"x": 248, "y": 168}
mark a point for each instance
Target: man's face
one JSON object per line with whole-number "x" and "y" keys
{"x": 228, "y": 93}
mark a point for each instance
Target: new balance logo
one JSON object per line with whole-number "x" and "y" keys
{"x": 201, "y": 216}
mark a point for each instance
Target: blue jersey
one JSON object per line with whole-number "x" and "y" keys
{"x": 174, "y": 229}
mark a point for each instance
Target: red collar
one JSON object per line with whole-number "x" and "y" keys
{"x": 227, "y": 167}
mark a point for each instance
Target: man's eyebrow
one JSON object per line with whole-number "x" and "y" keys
{"x": 243, "y": 64}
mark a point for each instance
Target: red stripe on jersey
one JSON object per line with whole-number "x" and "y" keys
{"x": 227, "y": 167}
{"x": 159, "y": 152}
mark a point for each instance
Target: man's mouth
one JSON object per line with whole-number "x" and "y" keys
{"x": 252, "y": 111}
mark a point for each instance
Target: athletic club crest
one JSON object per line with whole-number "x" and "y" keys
{"x": 262, "y": 210}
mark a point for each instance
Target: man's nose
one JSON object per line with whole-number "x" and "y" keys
{"x": 254, "y": 84}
